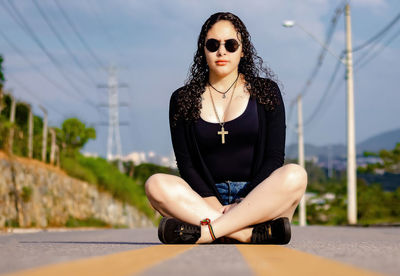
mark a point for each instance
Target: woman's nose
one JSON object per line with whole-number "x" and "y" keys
{"x": 221, "y": 50}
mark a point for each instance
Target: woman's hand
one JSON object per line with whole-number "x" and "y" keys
{"x": 213, "y": 202}
{"x": 226, "y": 208}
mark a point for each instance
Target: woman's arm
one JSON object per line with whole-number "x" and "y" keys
{"x": 214, "y": 203}
{"x": 182, "y": 153}
{"x": 274, "y": 154}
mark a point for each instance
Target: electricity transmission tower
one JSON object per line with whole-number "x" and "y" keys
{"x": 114, "y": 137}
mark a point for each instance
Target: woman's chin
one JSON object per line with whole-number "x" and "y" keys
{"x": 222, "y": 72}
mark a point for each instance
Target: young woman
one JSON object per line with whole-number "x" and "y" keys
{"x": 228, "y": 133}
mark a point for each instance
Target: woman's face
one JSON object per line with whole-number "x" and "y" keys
{"x": 222, "y": 62}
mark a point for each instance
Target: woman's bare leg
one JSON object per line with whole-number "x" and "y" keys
{"x": 277, "y": 196}
{"x": 173, "y": 197}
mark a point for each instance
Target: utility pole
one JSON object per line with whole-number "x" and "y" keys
{"x": 351, "y": 145}
{"x": 330, "y": 165}
{"x": 302, "y": 206}
{"x": 58, "y": 156}
{"x": 30, "y": 132}
{"x": 12, "y": 120}
{"x": 114, "y": 136}
{"x": 53, "y": 146}
{"x": 44, "y": 139}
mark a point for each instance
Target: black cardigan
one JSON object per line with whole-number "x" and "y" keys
{"x": 268, "y": 156}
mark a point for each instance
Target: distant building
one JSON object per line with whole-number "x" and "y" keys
{"x": 151, "y": 157}
{"x": 136, "y": 157}
{"x": 90, "y": 154}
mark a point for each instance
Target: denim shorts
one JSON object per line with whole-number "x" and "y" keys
{"x": 230, "y": 191}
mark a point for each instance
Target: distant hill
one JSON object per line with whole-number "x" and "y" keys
{"x": 337, "y": 151}
{"x": 386, "y": 140}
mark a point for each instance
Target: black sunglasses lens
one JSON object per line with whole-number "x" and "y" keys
{"x": 212, "y": 45}
{"x": 231, "y": 45}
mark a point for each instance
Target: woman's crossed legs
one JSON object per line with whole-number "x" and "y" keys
{"x": 276, "y": 196}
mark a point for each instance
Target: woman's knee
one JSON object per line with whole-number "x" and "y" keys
{"x": 154, "y": 186}
{"x": 160, "y": 188}
{"x": 295, "y": 178}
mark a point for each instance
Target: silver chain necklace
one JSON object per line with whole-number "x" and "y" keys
{"x": 221, "y": 92}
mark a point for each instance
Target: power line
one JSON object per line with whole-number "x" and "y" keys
{"x": 19, "y": 20}
{"x": 109, "y": 37}
{"x": 73, "y": 27}
{"x": 37, "y": 68}
{"x": 338, "y": 11}
{"x": 326, "y": 92}
{"x": 33, "y": 95}
{"x": 367, "y": 52}
{"x": 373, "y": 42}
{"x": 339, "y": 83}
{"x": 32, "y": 34}
{"x": 61, "y": 40}
{"x": 379, "y": 50}
{"x": 376, "y": 38}
{"x": 379, "y": 34}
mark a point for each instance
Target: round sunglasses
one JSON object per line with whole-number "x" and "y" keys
{"x": 231, "y": 45}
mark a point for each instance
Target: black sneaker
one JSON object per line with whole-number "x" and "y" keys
{"x": 272, "y": 232}
{"x": 173, "y": 231}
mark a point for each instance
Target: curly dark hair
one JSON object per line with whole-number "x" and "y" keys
{"x": 259, "y": 79}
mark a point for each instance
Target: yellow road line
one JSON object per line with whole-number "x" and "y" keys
{"x": 118, "y": 264}
{"x": 279, "y": 260}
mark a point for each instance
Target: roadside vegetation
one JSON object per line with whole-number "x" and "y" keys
{"x": 327, "y": 202}
{"x": 71, "y": 137}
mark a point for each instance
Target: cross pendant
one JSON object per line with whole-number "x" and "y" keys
{"x": 222, "y": 133}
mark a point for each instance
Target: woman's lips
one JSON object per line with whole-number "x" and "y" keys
{"x": 221, "y": 62}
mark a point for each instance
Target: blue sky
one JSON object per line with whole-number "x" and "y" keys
{"x": 153, "y": 42}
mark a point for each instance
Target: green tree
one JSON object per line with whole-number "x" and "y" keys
{"x": 390, "y": 158}
{"x": 73, "y": 135}
{"x": 145, "y": 170}
{"x": 395, "y": 204}
{"x": 371, "y": 202}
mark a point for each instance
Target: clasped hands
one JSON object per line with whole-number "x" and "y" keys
{"x": 226, "y": 208}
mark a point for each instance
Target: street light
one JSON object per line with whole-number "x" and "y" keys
{"x": 291, "y": 23}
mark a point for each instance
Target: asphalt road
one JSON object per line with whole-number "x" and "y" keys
{"x": 138, "y": 251}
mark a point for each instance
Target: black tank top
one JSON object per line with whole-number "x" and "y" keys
{"x": 232, "y": 160}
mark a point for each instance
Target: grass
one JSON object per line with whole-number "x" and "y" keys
{"x": 89, "y": 222}
{"x": 106, "y": 176}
